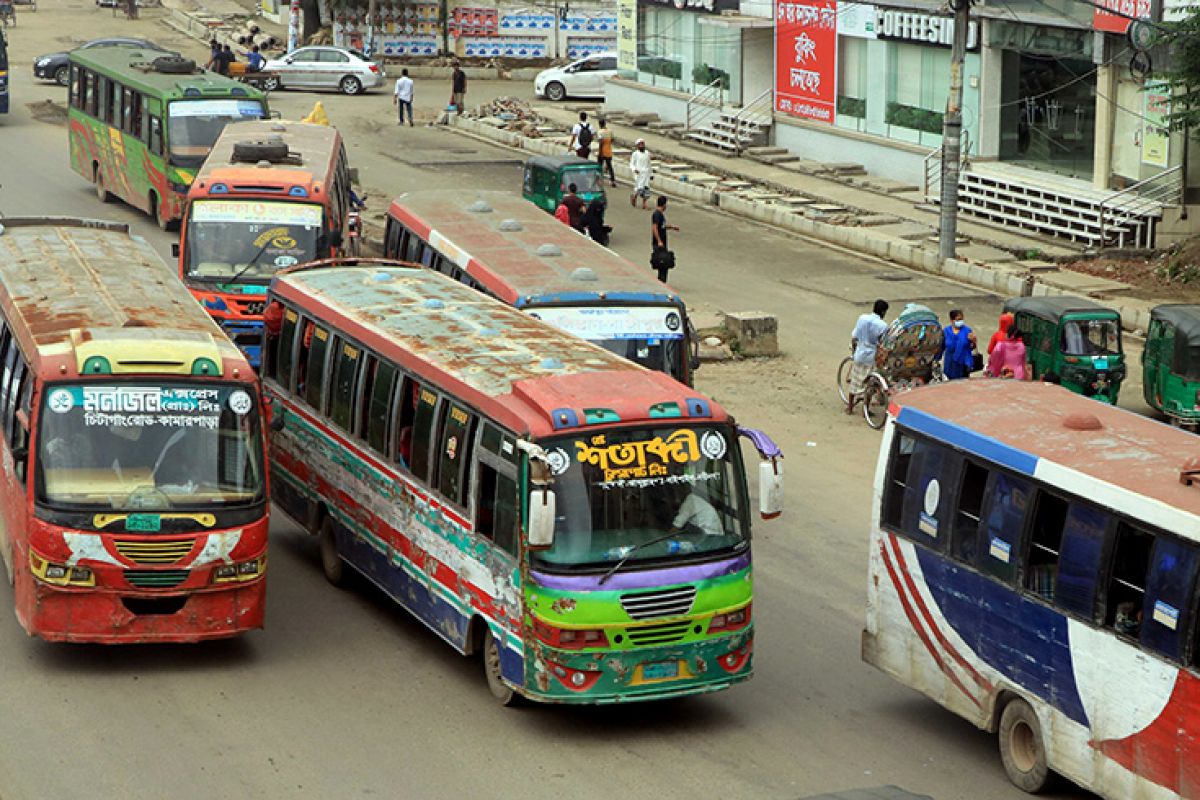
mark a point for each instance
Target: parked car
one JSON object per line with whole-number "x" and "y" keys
{"x": 348, "y": 71}
{"x": 55, "y": 66}
{"x": 583, "y": 78}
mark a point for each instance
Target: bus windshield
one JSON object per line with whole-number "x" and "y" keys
{"x": 121, "y": 447}
{"x": 250, "y": 239}
{"x": 618, "y": 492}
{"x": 194, "y": 125}
{"x": 648, "y": 335}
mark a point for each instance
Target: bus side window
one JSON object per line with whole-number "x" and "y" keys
{"x": 133, "y": 114}
{"x": 1127, "y": 581}
{"x": 20, "y": 435}
{"x": 406, "y": 413}
{"x": 457, "y": 442}
{"x": 1008, "y": 498}
{"x": 1168, "y": 605}
{"x": 897, "y": 481}
{"x": 1045, "y": 542}
{"x": 964, "y": 538}
{"x": 13, "y": 396}
{"x": 391, "y": 239}
{"x": 127, "y": 109}
{"x": 927, "y": 495}
{"x": 346, "y": 362}
{"x": 75, "y": 92}
{"x": 423, "y": 432}
{"x": 89, "y": 92}
{"x": 1084, "y": 541}
{"x": 362, "y": 394}
{"x": 101, "y": 105}
{"x": 496, "y": 508}
{"x": 114, "y": 98}
{"x": 314, "y": 371}
{"x": 8, "y": 349}
{"x": 284, "y": 361}
{"x": 155, "y": 142}
{"x": 413, "y": 251}
{"x": 379, "y": 407}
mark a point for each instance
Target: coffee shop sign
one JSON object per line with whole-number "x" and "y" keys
{"x": 912, "y": 26}
{"x": 706, "y": 6}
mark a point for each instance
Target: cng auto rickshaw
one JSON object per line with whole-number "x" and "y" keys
{"x": 547, "y": 179}
{"x": 1077, "y": 339}
{"x": 1171, "y": 363}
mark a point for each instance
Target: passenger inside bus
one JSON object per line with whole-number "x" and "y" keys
{"x": 696, "y": 515}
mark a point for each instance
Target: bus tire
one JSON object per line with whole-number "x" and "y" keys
{"x": 102, "y": 192}
{"x": 251, "y": 152}
{"x": 174, "y": 65}
{"x": 491, "y": 670}
{"x": 1022, "y": 748}
{"x": 156, "y": 212}
{"x": 331, "y": 563}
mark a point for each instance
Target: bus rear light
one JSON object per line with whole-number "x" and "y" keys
{"x": 734, "y": 660}
{"x": 60, "y": 574}
{"x": 731, "y": 621}
{"x": 577, "y": 680}
{"x": 239, "y": 573}
{"x": 570, "y": 638}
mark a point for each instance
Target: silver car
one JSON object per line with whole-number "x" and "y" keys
{"x": 348, "y": 71}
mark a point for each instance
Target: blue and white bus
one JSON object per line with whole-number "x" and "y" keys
{"x": 1033, "y": 567}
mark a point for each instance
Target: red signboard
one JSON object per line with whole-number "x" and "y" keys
{"x": 806, "y": 58}
{"x": 1103, "y": 18}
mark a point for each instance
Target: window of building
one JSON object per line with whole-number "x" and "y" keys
{"x": 1008, "y": 500}
{"x": 1127, "y": 580}
{"x": 1168, "y": 601}
{"x": 314, "y": 371}
{"x": 423, "y": 432}
{"x": 345, "y": 369}
{"x": 1084, "y": 544}
{"x": 964, "y": 538}
{"x": 458, "y": 437}
{"x": 853, "y": 83}
{"x": 380, "y": 407}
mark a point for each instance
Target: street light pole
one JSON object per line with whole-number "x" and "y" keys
{"x": 952, "y": 132}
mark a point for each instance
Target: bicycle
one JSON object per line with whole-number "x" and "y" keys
{"x": 8, "y": 14}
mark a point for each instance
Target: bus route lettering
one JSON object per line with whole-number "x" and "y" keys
{"x": 630, "y": 460}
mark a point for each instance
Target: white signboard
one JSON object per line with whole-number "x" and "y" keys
{"x": 857, "y": 20}
{"x": 263, "y": 211}
{"x": 614, "y": 322}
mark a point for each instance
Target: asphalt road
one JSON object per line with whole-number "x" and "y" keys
{"x": 344, "y": 695}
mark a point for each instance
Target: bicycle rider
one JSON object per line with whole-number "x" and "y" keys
{"x": 864, "y": 340}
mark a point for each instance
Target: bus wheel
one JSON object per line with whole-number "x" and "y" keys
{"x": 156, "y": 212}
{"x": 1022, "y": 749}
{"x": 331, "y": 563}
{"x": 491, "y": 668}
{"x": 102, "y": 192}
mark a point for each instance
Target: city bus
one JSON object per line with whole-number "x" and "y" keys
{"x": 269, "y": 196}
{"x": 503, "y": 245}
{"x": 1033, "y": 565}
{"x": 133, "y": 474}
{"x": 141, "y": 123}
{"x": 477, "y": 465}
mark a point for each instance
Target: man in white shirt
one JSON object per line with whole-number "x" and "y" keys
{"x": 868, "y": 332}
{"x": 697, "y": 512}
{"x": 402, "y": 97}
{"x": 581, "y": 137}
{"x": 639, "y": 165}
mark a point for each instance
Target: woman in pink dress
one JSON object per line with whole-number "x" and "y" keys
{"x": 1008, "y": 358}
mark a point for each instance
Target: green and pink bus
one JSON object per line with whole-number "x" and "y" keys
{"x": 142, "y": 122}
{"x": 477, "y": 465}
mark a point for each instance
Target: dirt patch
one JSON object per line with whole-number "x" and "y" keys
{"x": 1172, "y": 273}
{"x": 48, "y": 111}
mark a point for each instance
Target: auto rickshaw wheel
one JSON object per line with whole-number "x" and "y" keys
{"x": 875, "y": 401}
{"x": 843, "y": 378}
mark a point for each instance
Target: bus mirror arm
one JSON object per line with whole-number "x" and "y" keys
{"x": 770, "y": 472}
{"x": 23, "y": 419}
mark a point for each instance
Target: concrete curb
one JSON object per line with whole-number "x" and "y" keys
{"x": 863, "y": 240}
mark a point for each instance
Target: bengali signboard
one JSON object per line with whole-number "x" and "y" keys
{"x": 627, "y": 35}
{"x": 806, "y": 58}
{"x": 1156, "y": 139}
{"x": 1114, "y": 16}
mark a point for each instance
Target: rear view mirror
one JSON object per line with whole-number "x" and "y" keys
{"x": 770, "y": 488}
{"x": 541, "y": 518}
{"x": 175, "y": 249}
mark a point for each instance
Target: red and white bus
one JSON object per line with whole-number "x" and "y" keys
{"x": 133, "y": 483}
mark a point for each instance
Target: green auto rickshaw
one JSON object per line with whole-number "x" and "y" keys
{"x": 1077, "y": 339}
{"x": 547, "y": 179}
{"x": 1171, "y": 363}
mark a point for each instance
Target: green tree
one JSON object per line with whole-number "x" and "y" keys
{"x": 1182, "y": 70}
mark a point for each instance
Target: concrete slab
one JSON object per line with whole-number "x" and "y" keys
{"x": 1038, "y": 266}
{"x": 872, "y": 220}
{"x": 697, "y": 177}
{"x": 827, "y": 208}
{"x": 985, "y": 254}
{"x": 1082, "y": 282}
{"x": 912, "y": 231}
{"x": 887, "y": 186}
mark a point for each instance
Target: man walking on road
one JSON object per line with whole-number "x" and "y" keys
{"x": 865, "y": 339}
{"x": 639, "y": 165}
{"x": 581, "y": 137}
{"x": 458, "y": 87}
{"x": 605, "y": 148}
{"x": 661, "y": 257}
{"x": 402, "y": 97}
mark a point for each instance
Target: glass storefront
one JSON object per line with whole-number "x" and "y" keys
{"x": 676, "y": 51}
{"x": 1048, "y": 119}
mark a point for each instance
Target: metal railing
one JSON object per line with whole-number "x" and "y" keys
{"x": 932, "y": 172}
{"x": 754, "y": 114}
{"x": 1128, "y": 216}
{"x": 705, "y": 103}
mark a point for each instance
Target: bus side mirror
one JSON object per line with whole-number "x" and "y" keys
{"x": 175, "y": 250}
{"x": 541, "y": 518}
{"x": 20, "y": 454}
{"x": 770, "y": 488}
{"x": 335, "y": 239}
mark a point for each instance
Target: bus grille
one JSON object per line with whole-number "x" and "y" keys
{"x": 659, "y": 603}
{"x": 658, "y": 634}
{"x": 157, "y": 552}
{"x": 156, "y": 579}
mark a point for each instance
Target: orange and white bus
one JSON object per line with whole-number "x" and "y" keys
{"x": 133, "y": 480}
{"x": 269, "y": 196}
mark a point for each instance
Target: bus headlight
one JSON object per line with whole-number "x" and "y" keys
{"x": 570, "y": 638}
{"x": 730, "y": 621}
{"x": 60, "y": 574}
{"x": 240, "y": 572}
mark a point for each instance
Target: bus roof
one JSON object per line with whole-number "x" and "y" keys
{"x": 133, "y": 66}
{"x": 1019, "y": 423}
{"x": 523, "y": 372}
{"x": 523, "y": 255}
{"x": 313, "y": 152}
{"x": 86, "y": 297}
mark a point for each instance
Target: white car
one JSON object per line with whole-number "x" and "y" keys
{"x": 583, "y": 78}
{"x": 348, "y": 71}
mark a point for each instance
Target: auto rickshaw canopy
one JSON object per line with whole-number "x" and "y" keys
{"x": 1185, "y": 319}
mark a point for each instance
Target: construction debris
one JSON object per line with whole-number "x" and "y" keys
{"x": 509, "y": 113}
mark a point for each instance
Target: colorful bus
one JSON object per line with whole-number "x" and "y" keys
{"x": 1033, "y": 568}
{"x": 269, "y": 196}
{"x": 476, "y": 464}
{"x": 142, "y": 123}
{"x": 134, "y": 466}
{"x": 505, "y": 246}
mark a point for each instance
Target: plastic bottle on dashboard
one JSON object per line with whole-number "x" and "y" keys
{"x": 674, "y": 547}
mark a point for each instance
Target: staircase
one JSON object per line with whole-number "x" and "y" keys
{"x": 733, "y": 131}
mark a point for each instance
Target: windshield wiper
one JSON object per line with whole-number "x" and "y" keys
{"x": 633, "y": 550}
{"x": 252, "y": 263}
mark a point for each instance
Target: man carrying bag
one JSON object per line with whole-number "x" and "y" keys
{"x": 662, "y": 260}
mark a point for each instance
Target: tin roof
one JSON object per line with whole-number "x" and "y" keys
{"x": 498, "y": 236}
{"x": 1022, "y": 423}
{"x": 72, "y": 282}
{"x": 1052, "y": 307}
{"x": 316, "y": 148}
{"x": 501, "y": 360}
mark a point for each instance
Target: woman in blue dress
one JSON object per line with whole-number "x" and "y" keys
{"x": 958, "y": 347}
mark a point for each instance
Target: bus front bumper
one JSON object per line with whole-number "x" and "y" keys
{"x": 651, "y": 673}
{"x": 86, "y": 615}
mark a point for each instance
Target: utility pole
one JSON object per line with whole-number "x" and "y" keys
{"x": 369, "y": 44}
{"x": 952, "y": 132}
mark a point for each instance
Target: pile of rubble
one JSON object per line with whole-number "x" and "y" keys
{"x": 510, "y": 113}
